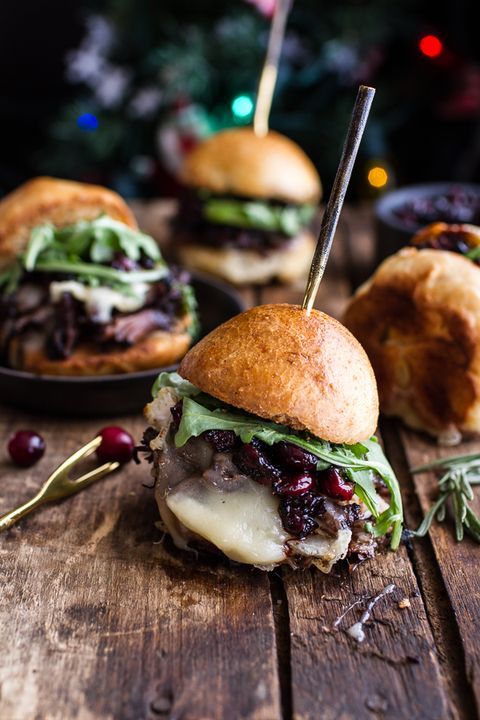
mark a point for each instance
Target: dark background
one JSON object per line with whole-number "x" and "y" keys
{"x": 201, "y": 55}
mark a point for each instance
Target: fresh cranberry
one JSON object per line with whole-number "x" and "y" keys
{"x": 294, "y": 457}
{"x": 333, "y": 483}
{"x": 297, "y": 484}
{"x": 176, "y": 413}
{"x": 26, "y": 447}
{"x": 221, "y": 440}
{"x": 117, "y": 445}
{"x": 252, "y": 460}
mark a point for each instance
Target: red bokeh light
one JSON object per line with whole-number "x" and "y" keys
{"x": 431, "y": 46}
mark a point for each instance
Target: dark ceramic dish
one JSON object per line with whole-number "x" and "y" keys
{"x": 395, "y": 220}
{"x": 109, "y": 394}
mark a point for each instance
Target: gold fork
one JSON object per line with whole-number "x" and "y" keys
{"x": 60, "y": 485}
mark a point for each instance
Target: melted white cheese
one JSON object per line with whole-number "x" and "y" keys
{"x": 101, "y": 301}
{"x": 324, "y": 551}
{"x": 244, "y": 523}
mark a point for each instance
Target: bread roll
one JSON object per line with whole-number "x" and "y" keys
{"x": 60, "y": 202}
{"x": 279, "y": 363}
{"x": 418, "y": 318}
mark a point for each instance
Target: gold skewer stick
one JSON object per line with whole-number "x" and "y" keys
{"x": 357, "y": 125}
{"x": 268, "y": 77}
{"x": 60, "y": 484}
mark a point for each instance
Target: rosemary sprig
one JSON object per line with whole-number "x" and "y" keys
{"x": 461, "y": 472}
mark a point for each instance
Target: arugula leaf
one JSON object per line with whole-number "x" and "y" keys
{"x": 256, "y": 214}
{"x": 182, "y": 387}
{"x": 196, "y": 419}
{"x": 88, "y": 240}
{"x": 42, "y": 237}
{"x": 90, "y": 270}
{"x": 190, "y": 307}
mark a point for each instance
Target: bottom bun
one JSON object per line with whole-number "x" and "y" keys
{"x": 245, "y": 267}
{"x": 159, "y": 349}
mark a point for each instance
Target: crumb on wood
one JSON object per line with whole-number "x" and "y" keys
{"x": 404, "y": 603}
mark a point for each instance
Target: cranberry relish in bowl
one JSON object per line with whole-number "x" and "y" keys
{"x": 87, "y": 296}
{"x": 257, "y": 469}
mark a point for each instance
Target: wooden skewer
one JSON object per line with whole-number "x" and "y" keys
{"x": 356, "y": 128}
{"x": 268, "y": 77}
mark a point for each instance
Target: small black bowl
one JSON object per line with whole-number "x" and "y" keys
{"x": 394, "y": 232}
{"x": 106, "y": 395}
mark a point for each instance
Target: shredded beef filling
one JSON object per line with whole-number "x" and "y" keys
{"x": 65, "y": 324}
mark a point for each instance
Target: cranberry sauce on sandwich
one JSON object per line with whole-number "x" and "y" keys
{"x": 262, "y": 445}
{"x": 94, "y": 288}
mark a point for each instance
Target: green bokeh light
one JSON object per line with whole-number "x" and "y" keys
{"x": 242, "y": 107}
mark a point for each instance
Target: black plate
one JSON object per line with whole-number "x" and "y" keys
{"x": 109, "y": 394}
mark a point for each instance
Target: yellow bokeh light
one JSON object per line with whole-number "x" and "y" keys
{"x": 377, "y": 177}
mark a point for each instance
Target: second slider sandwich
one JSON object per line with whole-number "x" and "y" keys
{"x": 246, "y": 216}
{"x": 262, "y": 445}
{"x": 82, "y": 290}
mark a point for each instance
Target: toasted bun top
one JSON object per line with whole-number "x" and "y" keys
{"x": 306, "y": 371}
{"x": 431, "y": 234}
{"x": 238, "y": 162}
{"x": 60, "y": 202}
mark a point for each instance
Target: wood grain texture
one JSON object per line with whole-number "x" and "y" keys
{"x": 393, "y": 673}
{"x": 102, "y": 620}
{"x": 458, "y": 562}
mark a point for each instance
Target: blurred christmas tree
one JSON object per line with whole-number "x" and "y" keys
{"x": 152, "y": 78}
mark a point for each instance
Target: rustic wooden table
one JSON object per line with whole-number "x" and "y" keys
{"x": 100, "y": 619}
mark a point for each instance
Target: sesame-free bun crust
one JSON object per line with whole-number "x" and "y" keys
{"x": 159, "y": 349}
{"x": 418, "y": 318}
{"x": 60, "y": 202}
{"x": 248, "y": 267}
{"x": 306, "y": 371}
{"x": 238, "y": 162}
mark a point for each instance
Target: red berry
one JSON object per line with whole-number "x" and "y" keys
{"x": 117, "y": 445}
{"x": 333, "y": 484}
{"x": 294, "y": 457}
{"x": 26, "y": 447}
{"x": 297, "y": 484}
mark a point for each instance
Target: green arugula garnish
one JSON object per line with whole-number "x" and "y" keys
{"x": 80, "y": 250}
{"x": 360, "y": 461}
{"x": 461, "y": 472}
{"x": 259, "y": 215}
{"x": 190, "y": 307}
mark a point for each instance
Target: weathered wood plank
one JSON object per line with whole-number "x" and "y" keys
{"x": 393, "y": 673}
{"x": 100, "y": 620}
{"x": 458, "y": 562}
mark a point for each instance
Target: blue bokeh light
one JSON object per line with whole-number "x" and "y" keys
{"x": 87, "y": 122}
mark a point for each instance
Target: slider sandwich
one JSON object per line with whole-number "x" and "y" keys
{"x": 418, "y": 318}
{"x": 82, "y": 290}
{"x": 247, "y": 211}
{"x": 262, "y": 449}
